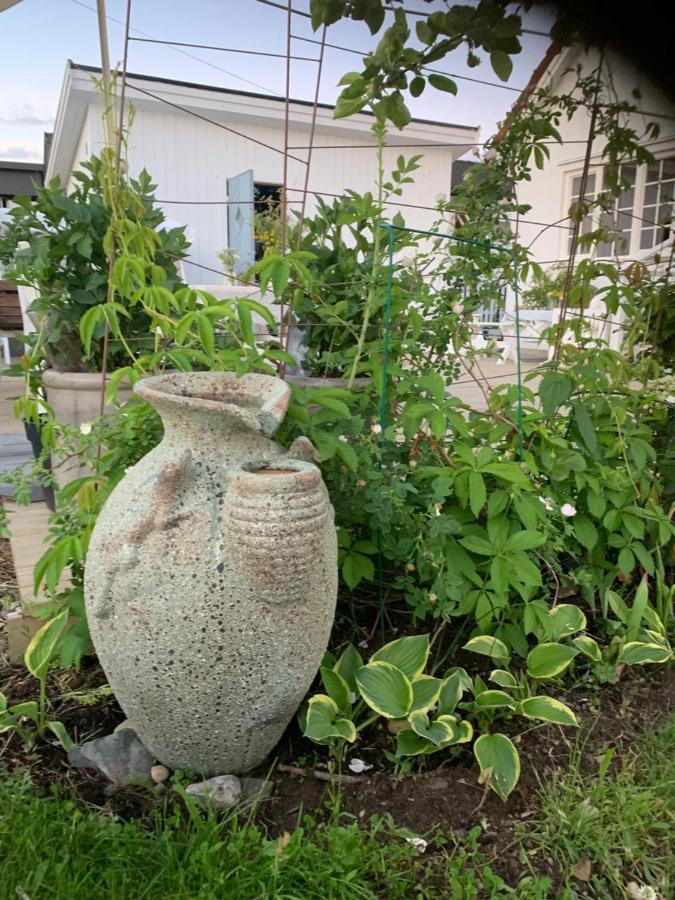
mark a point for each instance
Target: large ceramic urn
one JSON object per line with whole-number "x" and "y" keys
{"x": 211, "y": 576}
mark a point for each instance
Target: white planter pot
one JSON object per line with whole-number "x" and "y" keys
{"x": 76, "y": 398}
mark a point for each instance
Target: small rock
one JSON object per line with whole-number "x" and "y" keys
{"x": 437, "y": 784}
{"x": 221, "y": 791}
{"x": 127, "y": 723}
{"x": 254, "y": 789}
{"x": 159, "y": 774}
{"x": 119, "y": 756}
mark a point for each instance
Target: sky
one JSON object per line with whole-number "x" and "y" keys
{"x": 39, "y": 36}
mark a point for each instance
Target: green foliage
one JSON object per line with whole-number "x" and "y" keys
{"x": 427, "y": 713}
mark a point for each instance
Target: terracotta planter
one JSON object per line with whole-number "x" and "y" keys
{"x": 211, "y": 575}
{"x": 76, "y": 398}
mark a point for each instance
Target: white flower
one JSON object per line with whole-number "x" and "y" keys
{"x": 458, "y": 308}
{"x": 376, "y": 428}
{"x": 439, "y": 508}
{"x": 568, "y": 510}
{"x": 363, "y": 645}
{"x": 357, "y": 766}
{"x": 418, "y": 843}
{"x": 344, "y": 439}
{"x": 670, "y": 398}
{"x": 548, "y": 503}
{"x": 400, "y": 436}
{"x": 85, "y": 428}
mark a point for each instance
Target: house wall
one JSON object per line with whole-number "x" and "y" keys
{"x": 190, "y": 160}
{"x": 548, "y": 193}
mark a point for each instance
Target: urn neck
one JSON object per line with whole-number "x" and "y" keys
{"x": 203, "y": 410}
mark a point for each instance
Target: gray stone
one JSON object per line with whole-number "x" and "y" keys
{"x": 127, "y": 723}
{"x": 221, "y": 791}
{"x": 120, "y": 756}
{"x": 255, "y": 789}
{"x": 211, "y": 575}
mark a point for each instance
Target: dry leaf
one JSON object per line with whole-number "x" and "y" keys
{"x": 282, "y": 842}
{"x": 582, "y": 870}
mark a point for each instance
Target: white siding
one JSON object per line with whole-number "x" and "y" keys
{"x": 190, "y": 160}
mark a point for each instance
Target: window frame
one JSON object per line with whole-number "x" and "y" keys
{"x": 638, "y": 206}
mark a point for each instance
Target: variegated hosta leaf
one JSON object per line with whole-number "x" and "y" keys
{"x": 462, "y": 732}
{"x": 489, "y": 646}
{"x": 348, "y": 665}
{"x": 565, "y": 619}
{"x": 499, "y": 763}
{"x": 550, "y": 659}
{"x": 548, "y": 709}
{"x": 494, "y": 700}
{"x": 450, "y": 694}
{"x": 410, "y": 744}
{"x": 588, "y": 646}
{"x": 409, "y": 654}
{"x": 438, "y": 732}
{"x": 637, "y": 653}
{"x": 42, "y": 647}
{"x": 503, "y": 678}
{"x": 386, "y": 689}
{"x": 425, "y": 692}
{"x": 324, "y": 722}
{"x": 337, "y": 689}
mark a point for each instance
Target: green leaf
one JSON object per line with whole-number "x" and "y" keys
{"x": 637, "y": 653}
{"x": 502, "y": 64}
{"x": 617, "y": 605}
{"x": 489, "y": 646}
{"x": 503, "y": 678}
{"x": 588, "y": 647}
{"x": 417, "y": 85}
{"x": 246, "y": 323}
{"x": 409, "y": 654}
{"x": 337, "y": 689}
{"x": 59, "y": 729}
{"x": 637, "y": 610}
{"x": 438, "y": 732}
{"x": 333, "y": 404}
{"x": 348, "y": 664}
{"x": 477, "y": 545}
{"x": 554, "y": 390}
{"x": 206, "y": 337}
{"x": 510, "y": 472}
{"x": 324, "y": 721}
{"x": 410, "y": 744}
{"x": 585, "y": 532}
{"x": 565, "y": 620}
{"x": 88, "y": 323}
{"x": 426, "y": 690}
{"x": 386, "y": 689}
{"x": 443, "y": 83}
{"x": 626, "y": 560}
{"x": 499, "y": 763}
{"x": 549, "y": 660}
{"x": 477, "y": 492}
{"x": 586, "y": 428}
{"x": 28, "y": 709}
{"x": 356, "y": 567}
{"x": 494, "y": 700}
{"x": 450, "y": 694}
{"x": 525, "y": 540}
{"x": 40, "y": 651}
{"x": 547, "y": 709}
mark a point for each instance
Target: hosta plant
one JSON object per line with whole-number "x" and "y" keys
{"x": 427, "y": 713}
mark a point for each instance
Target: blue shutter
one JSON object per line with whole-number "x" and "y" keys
{"x": 240, "y": 219}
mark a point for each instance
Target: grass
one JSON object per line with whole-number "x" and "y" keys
{"x": 620, "y": 819}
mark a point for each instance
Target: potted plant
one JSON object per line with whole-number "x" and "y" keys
{"x": 228, "y": 257}
{"x": 56, "y": 244}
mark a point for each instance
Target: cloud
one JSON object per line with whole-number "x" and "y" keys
{"x": 23, "y": 114}
{"x": 20, "y": 152}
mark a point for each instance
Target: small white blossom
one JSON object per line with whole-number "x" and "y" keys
{"x": 548, "y": 503}
{"x": 400, "y": 436}
{"x": 357, "y": 766}
{"x": 670, "y": 398}
{"x": 85, "y": 428}
{"x": 376, "y": 428}
{"x": 344, "y": 439}
{"x": 363, "y": 645}
{"x": 418, "y": 843}
{"x": 458, "y": 308}
{"x": 438, "y": 507}
{"x": 568, "y": 510}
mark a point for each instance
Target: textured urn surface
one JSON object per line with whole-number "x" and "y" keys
{"x": 211, "y": 576}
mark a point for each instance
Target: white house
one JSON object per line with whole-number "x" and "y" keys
{"x": 208, "y": 148}
{"x": 643, "y": 210}
{"x": 640, "y": 220}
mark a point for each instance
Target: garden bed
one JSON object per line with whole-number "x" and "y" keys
{"x": 445, "y": 798}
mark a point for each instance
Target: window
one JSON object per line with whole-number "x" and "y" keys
{"x": 657, "y": 208}
{"x": 266, "y": 216}
{"x": 640, "y": 216}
